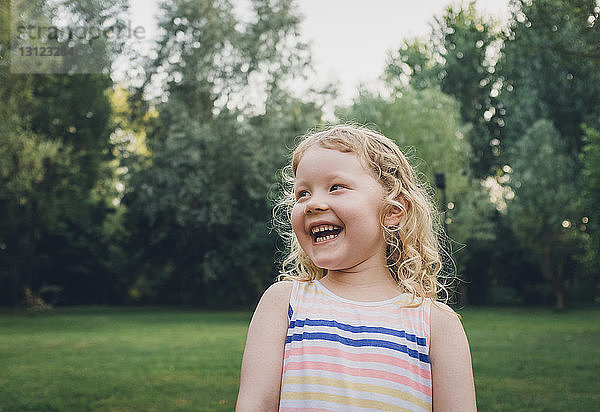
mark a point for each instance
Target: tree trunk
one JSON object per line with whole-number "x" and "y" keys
{"x": 554, "y": 276}
{"x": 559, "y": 286}
{"x": 560, "y": 299}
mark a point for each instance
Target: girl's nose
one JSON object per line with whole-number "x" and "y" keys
{"x": 315, "y": 205}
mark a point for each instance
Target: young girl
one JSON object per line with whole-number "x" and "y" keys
{"x": 356, "y": 324}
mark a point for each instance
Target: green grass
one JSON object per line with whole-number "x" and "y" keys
{"x": 121, "y": 360}
{"x": 129, "y": 359}
{"x": 535, "y": 359}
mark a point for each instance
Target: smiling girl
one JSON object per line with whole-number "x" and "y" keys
{"x": 355, "y": 323}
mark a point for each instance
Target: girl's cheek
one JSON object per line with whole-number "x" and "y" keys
{"x": 297, "y": 221}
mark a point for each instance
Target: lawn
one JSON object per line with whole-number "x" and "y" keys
{"x": 132, "y": 359}
{"x": 535, "y": 359}
{"x": 109, "y": 359}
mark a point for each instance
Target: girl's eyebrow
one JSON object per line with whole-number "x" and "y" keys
{"x": 342, "y": 178}
{"x": 298, "y": 183}
{"x": 330, "y": 177}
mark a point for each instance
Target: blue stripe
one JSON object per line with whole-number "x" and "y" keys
{"x": 359, "y": 329}
{"x": 290, "y": 313}
{"x": 358, "y": 343}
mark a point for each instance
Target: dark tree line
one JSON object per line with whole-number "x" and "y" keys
{"x": 117, "y": 193}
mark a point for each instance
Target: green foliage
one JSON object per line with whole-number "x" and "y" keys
{"x": 23, "y": 155}
{"x": 194, "y": 151}
{"x": 197, "y": 210}
{"x": 79, "y": 35}
{"x": 549, "y": 70}
{"x": 211, "y": 59}
{"x": 590, "y": 159}
{"x": 458, "y": 58}
{"x": 550, "y": 67}
{"x": 24, "y": 160}
{"x": 55, "y": 151}
{"x": 468, "y": 43}
{"x": 545, "y": 211}
{"x": 414, "y": 64}
{"x": 200, "y": 209}
{"x": 543, "y": 180}
{"x": 543, "y": 66}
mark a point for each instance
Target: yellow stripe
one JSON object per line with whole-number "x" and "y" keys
{"x": 363, "y": 387}
{"x": 344, "y": 400}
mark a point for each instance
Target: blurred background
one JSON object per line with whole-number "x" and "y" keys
{"x": 139, "y": 160}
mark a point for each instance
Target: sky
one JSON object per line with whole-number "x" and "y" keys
{"x": 350, "y": 39}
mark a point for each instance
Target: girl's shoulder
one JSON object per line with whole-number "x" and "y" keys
{"x": 450, "y": 361}
{"x": 263, "y": 355}
{"x": 443, "y": 314}
{"x": 277, "y": 295}
{"x": 446, "y": 326}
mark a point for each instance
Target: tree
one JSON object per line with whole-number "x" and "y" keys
{"x": 550, "y": 68}
{"x": 590, "y": 158}
{"x": 198, "y": 210}
{"x": 459, "y": 58}
{"x": 544, "y": 213}
{"x": 53, "y": 202}
{"x": 24, "y": 158}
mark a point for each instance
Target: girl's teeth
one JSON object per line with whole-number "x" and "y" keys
{"x": 322, "y": 229}
{"x": 322, "y": 239}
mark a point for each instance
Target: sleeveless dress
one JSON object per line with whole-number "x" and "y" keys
{"x": 344, "y": 355}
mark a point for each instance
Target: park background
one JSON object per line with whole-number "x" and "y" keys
{"x": 136, "y": 189}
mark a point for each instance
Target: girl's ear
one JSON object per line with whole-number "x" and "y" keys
{"x": 394, "y": 215}
{"x": 392, "y": 218}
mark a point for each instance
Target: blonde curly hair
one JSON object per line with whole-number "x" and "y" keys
{"x": 413, "y": 256}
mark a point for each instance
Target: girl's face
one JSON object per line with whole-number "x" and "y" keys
{"x": 336, "y": 217}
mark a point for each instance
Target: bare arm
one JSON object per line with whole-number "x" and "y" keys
{"x": 452, "y": 373}
{"x": 260, "y": 379}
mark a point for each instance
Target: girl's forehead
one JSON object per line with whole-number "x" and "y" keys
{"x": 319, "y": 157}
{"x": 306, "y": 147}
{"x": 321, "y": 162}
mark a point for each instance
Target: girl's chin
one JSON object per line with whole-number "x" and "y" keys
{"x": 321, "y": 264}
{"x": 328, "y": 265}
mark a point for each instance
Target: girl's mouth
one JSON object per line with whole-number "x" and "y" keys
{"x": 323, "y": 233}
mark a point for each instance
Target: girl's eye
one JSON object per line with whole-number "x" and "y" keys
{"x": 336, "y": 187}
{"x": 300, "y": 194}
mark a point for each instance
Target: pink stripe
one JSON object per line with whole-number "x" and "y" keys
{"x": 359, "y": 357}
{"x": 367, "y": 373}
{"x": 289, "y": 409}
{"x": 319, "y": 290}
{"x": 313, "y": 306}
{"x": 391, "y": 308}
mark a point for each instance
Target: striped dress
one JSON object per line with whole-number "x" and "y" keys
{"x": 343, "y": 355}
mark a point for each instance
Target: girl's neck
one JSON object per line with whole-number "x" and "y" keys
{"x": 373, "y": 284}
